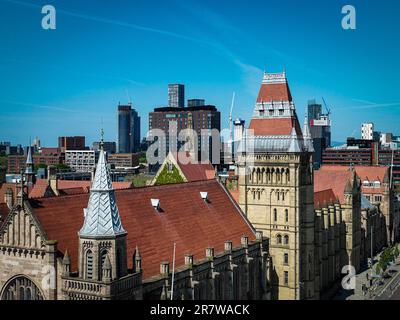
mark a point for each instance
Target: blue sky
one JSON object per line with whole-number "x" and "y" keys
{"x": 64, "y": 81}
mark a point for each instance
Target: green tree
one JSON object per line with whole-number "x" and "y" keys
{"x": 62, "y": 167}
{"x": 3, "y": 162}
{"x": 169, "y": 177}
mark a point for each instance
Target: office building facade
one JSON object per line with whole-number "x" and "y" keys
{"x": 176, "y": 95}
{"x": 71, "y": 143}
{"x": 320, "y": 130}
{"x": 198, "y": 118}
{"x": 128, "y": 129}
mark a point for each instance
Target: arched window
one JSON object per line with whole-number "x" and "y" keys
{"x": 283, "y": 196}
{"x": 286, "y": 258}
{"x": 28, "y": 294}
{"x": 279, "y": 239}
{"x": 89, "y": 264}
{"x": 286, "y": 215}
{"x": 287, "y": 175}
{"x": 275, "y": 215}
{"x": 103, "y": 256}
{"x": 277, "y": 195}
{"x": 21, "y": 288}
{"x": 286, "y": 240}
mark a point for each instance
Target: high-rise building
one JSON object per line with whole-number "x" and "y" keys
{"x": 176, "y": 95}
{"x": 71, "y": 143}
{"x": 320, "y": 130}
{"x": 201, "y": 118}
{"x": 314, "y": 110}
{"x": 128, "y": 129}
{"x": 367, "y": 131}
{"x": 135, "y": 131}
{"x": 196, "y": 102}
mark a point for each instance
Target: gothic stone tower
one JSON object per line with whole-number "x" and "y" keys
{"x": 102, "y": 247}
{"x": 276, "y": 188}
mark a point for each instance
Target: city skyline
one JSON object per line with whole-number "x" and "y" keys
{"x": 64, "y": 81}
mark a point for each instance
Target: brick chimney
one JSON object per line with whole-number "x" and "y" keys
{"x": 52, "y": 179}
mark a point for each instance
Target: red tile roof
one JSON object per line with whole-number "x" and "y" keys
{"x": 275, "y": 126}
{"x": 72, "y": 191}
{"x": 69, "y": 184}
{"x": 365, "y": 173}
{"x": 324, "y": 198}
{"x": 38, "y": 190}
{"x": 186, "y": 219}
{"x": 274, "y": 92}
{"x": 334, "y": 178}
{"x": 194, "y": 171}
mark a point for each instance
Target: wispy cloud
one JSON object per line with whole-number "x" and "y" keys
{"x": 370, "y": 105}
{"x": 114, "y": 22}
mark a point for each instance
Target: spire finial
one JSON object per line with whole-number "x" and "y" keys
{"x": 102, "y": 136}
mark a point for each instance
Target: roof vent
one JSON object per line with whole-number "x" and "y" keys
{"x": 204, "y": 196}
{"x": 156, "y": 204}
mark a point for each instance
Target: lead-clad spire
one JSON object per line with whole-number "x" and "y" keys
{"x": 102, "y": 217}
{"x": 29, "y": 162}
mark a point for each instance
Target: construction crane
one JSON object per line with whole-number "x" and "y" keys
{"x": 326, "y": 107}
{"x": 230, "y": 119}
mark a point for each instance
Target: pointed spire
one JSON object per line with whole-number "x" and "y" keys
{"x": 29, "y": 162}
{"x": 137, "y": 253}
{"x": 66, "y": 260}
{"x": 294, "y": 142}
{"x": 66, "y": 264}
{"x": 348, "y": 188}
{"x": 29, "y": 159}
{"x": 308, "y": 143}
{"x": 137, "y": 260}
{"x": 102, "y": 217}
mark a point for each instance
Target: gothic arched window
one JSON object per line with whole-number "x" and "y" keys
{"x": 279, "y": 239}
{"x": 89, "y": 264}
{"x": 21, "y": 288}
{"x": 275, "y": 215}
{"x": 103, "y": 256}
{"x": 286, "y": 240}
{"x": 286, "y": 215}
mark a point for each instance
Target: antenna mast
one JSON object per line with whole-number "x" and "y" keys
{"x": 230, "y": 117}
